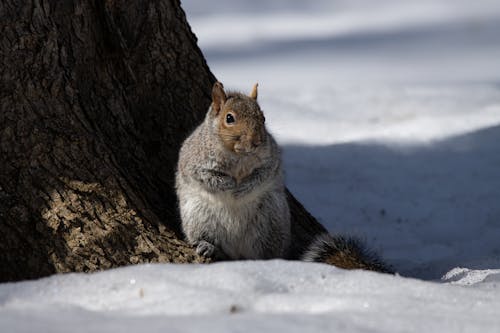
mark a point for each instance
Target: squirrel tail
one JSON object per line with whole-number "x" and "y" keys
{"x": 348, "y": 253}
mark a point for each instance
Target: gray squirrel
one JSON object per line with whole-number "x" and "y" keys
{"x": 231, "y": 191}
{"x": 230, "y": 185}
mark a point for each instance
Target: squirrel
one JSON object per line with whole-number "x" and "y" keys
{"x": 230, "y": 183}
{"x": 231, "y": 192}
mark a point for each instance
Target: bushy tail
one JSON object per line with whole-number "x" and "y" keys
{"x": 348, "y": 253}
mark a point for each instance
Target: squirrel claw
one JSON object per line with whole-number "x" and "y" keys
{"x": 205, "y": 249}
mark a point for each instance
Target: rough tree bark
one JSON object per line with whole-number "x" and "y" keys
{"x": 95, "y": 98}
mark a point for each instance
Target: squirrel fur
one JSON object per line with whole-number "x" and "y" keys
{"x": 349, "y": 253}
{"x": 230, "y": 185}
{"x": 231, "y": 191}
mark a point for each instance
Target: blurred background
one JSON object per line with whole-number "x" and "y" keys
{"x": 388, "y": 113}
{"x": 341, "y": 55}
{"x": 349, "y": 40}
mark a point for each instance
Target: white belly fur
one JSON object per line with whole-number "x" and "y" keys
{"x": 236, "y": 224}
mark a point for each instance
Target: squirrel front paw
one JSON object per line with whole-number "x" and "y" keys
{"x": 205, "y": 249}
{"x": 223, "y": 182}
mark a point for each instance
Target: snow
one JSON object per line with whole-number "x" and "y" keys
{"x": 390, "y": 127}
{"x": 250, "y": 296}
{"x": 306, "y": 43}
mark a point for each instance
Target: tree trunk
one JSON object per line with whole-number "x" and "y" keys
{"x": 96, "y": 97}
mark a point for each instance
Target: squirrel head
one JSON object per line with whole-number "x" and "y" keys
{"x": 240, "y": 124}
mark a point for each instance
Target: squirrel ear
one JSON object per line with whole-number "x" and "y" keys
{"x": 253, "y": 94}
{"x": 218, "y": 97}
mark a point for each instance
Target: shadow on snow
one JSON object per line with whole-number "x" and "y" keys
{"x": 427, "y": 208}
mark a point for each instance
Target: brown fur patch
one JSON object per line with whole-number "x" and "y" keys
{"x": 230, "y": 134}
{"x": 253, "y": 93}
{"x": 248, "y": 130}
{"x": 218, "y": 97}
{"x": 346, "y": 260}
{"x": 347, "y": 253}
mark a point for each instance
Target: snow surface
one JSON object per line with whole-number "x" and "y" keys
{"x": 388, "y": 113}
{"x": 261, "y": 296}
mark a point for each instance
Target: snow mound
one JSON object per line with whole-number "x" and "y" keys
{"x": 467, "y": 277}
{"x": 252, "y": 295}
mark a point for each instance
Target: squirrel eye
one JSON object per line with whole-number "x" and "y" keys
{"x": 229, "y": 118}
